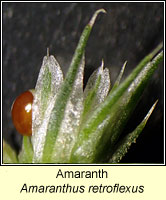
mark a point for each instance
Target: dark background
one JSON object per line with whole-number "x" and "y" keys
{"x": 128, "y": 31}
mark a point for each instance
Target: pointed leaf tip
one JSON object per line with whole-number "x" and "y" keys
{"x": 117, "y": 82}
{"x": 102, "y": 63}
{"x": 92, "y": 21}
{"x": 123, "y": 145}
{"x": 48, "y": 53}
{"x": 121, "y": 72}
{"x": 150, "y": 111}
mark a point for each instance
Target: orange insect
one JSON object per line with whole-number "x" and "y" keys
{"x": 22, "y": 113}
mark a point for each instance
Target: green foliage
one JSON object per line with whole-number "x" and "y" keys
{"x": 26, "y": 154}
{"x": 9, "y": 155}
{"x": 103, "y": 128}
{"x": 70, "y": 125}
{"x": 123, "y": 145}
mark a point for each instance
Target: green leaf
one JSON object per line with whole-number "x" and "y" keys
{"x": 48, "y": 85}
{"x": 96, "y": 90}
{"x": 117, "y": 82}
{"x": 64, "y": 94}
{"x": 107, "y": 122}
{"x": 26, "y": 154}
{"x": 122, "y": 147}
{"x": 71, "y": 120}
{"x": 124, "y": 107}
{"x": 9, "y": 155}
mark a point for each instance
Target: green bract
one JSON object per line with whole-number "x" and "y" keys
{"x": 70, "y": 125}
